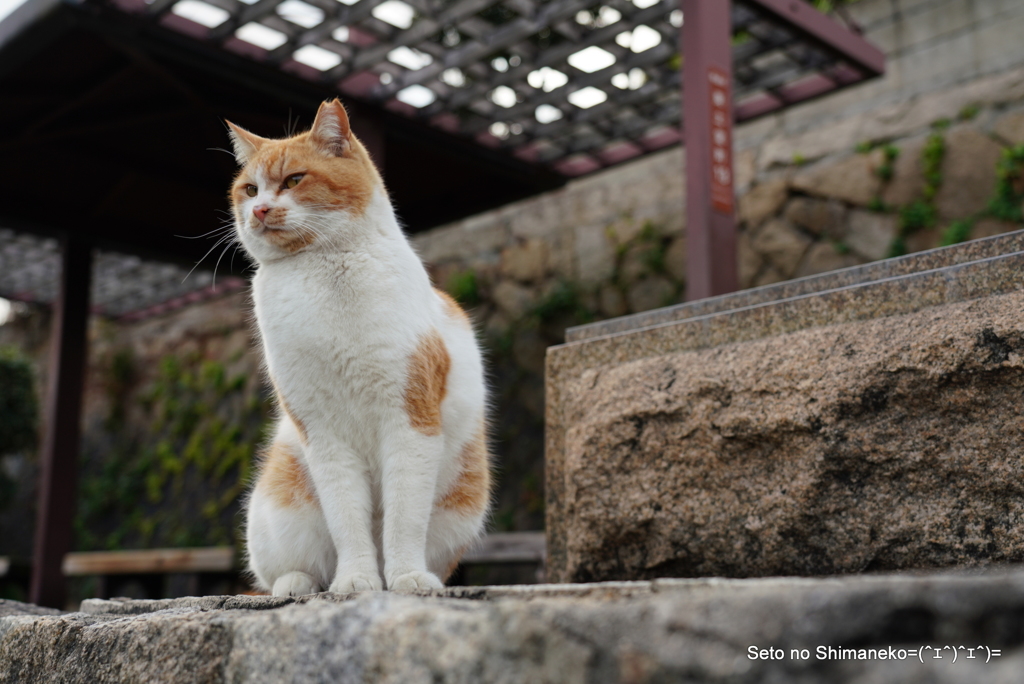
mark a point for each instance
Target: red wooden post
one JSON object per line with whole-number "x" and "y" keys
{"x": 707, "y": 121}
{"x": 58, "y": 477}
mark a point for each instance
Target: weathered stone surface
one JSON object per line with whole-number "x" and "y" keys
{"x": 769, "y": 275}
{"x": 675, "y": 259}
{"x": 871, "y": 234}
{"x": 526, "y": 261}
{"x": 462, "y": 240}
{"x": 968, "y": 174}
{"x": 823, "y": 257}
{"x": 528, "y": 348}
{"x": 512, "y": 298}
{"x": 926, "y": 238}
{"x": 595, "y": 254}
{"x": 852, "y": 180}
{"x": 1011, "y": 128}
{"x": 990, "y": 227}
{"x": 815, "y": 435}
{"x": 625, "y": 633}
{"x": 635, "y": 262}
{"x": 821, "y": 217}
{"x": 782, "y": 244}
{"x": 8, "y": 608}
{"x": 872, "y": 272}
{"x": 611, "y": 301}
{"x": 907, "y": 184}
{"x": 748, "y": 260}
{"x": 763, "y": 201}
{"x": 650, "y": 293}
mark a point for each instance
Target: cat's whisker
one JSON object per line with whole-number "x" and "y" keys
{"x": 212, "y": 232}
{"x": 217, "y": 265}
{"x": 208, "y": 252}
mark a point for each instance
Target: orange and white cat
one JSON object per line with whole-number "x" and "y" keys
{"x": 378, "y": 473}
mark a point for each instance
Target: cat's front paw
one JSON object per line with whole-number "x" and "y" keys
{"x": 294, "y": 584}
{"x": 415, "y": 581}
{"x": 357, "y": 581}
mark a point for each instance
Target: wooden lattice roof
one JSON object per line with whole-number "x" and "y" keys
{"x": 574, "y": 84}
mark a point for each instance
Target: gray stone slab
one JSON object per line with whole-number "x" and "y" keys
{"x": 871, "y": 427}
{"x": 857, "y": 275}
{"x": 644, "y": 632}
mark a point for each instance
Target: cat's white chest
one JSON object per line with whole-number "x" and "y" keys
{"x": 337, "y": 336}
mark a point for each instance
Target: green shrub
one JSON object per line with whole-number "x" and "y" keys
{"x": 464, "y": 288}
{"x": 1006, "y": 204}
{"x": 957, "y": 232}
{"x": 18, "y": 407}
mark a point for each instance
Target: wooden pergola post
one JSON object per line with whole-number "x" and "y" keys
{"x": 708, "y": 121}
{"x": 58, "y": 476}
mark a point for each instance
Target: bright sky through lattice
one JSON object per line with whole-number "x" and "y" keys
{"x": 411, "y": 59}
{"x": 588, "y": 97}
{"x": 605, "y": 16}
{"x": 300, "y": 13}
{"x": 546, "y": 113}
{"x": 201, "y": 13}
{"x": 630, "y": 81}
{"x": 547, "y": 79}
{"x": 317, "y": 57}
{"x": 395, "y": 12}
{"x": 416, "y": 95}
{"x": 591, "y": 59}
{"x": 503, "y": 96}
{"x": 261, "y": 36}
{"x": 454, "y": 77}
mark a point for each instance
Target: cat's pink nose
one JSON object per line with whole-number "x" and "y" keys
{"x": 260, "y": 211}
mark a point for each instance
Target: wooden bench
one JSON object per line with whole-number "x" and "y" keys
{"x": 210, "y": 568}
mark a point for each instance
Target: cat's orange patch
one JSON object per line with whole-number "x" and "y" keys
{"x": 284, "y": 478}
{"x": 472, "y": 490}
{"x": 427, "y": 383}
{"x": 454, "y": 564}
{"x": 300, "y": 427}
{"x": 452, "y": 308}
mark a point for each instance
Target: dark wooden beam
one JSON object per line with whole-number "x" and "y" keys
{"x": 58, "y": 477}
{"x": 707, "y": 117}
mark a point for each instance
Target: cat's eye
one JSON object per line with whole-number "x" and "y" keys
{"x": 251, "y": 190}
{"x": 292, "y": 181}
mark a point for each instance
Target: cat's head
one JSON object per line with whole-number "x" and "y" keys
{"x": 300, "y": 191}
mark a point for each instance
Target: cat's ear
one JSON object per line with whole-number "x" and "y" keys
{"x": 246, "y": 144}
{"x": 331, "y": 132}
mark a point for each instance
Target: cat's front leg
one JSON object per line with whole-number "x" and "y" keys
{"x": 342, "y": 483}
{"x": 410, "y": 462}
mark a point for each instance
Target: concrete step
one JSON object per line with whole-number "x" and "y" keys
{"x": 811, "y": 428}
{"x": 859, "y": 629}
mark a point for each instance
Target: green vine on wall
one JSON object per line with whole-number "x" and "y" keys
{"x": 1005, "y": 205}
{"x": 179, "y": 480}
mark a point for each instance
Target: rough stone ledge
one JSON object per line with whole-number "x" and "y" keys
{"x": 857, "y": 275}
{"x": 697, "y": 630}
